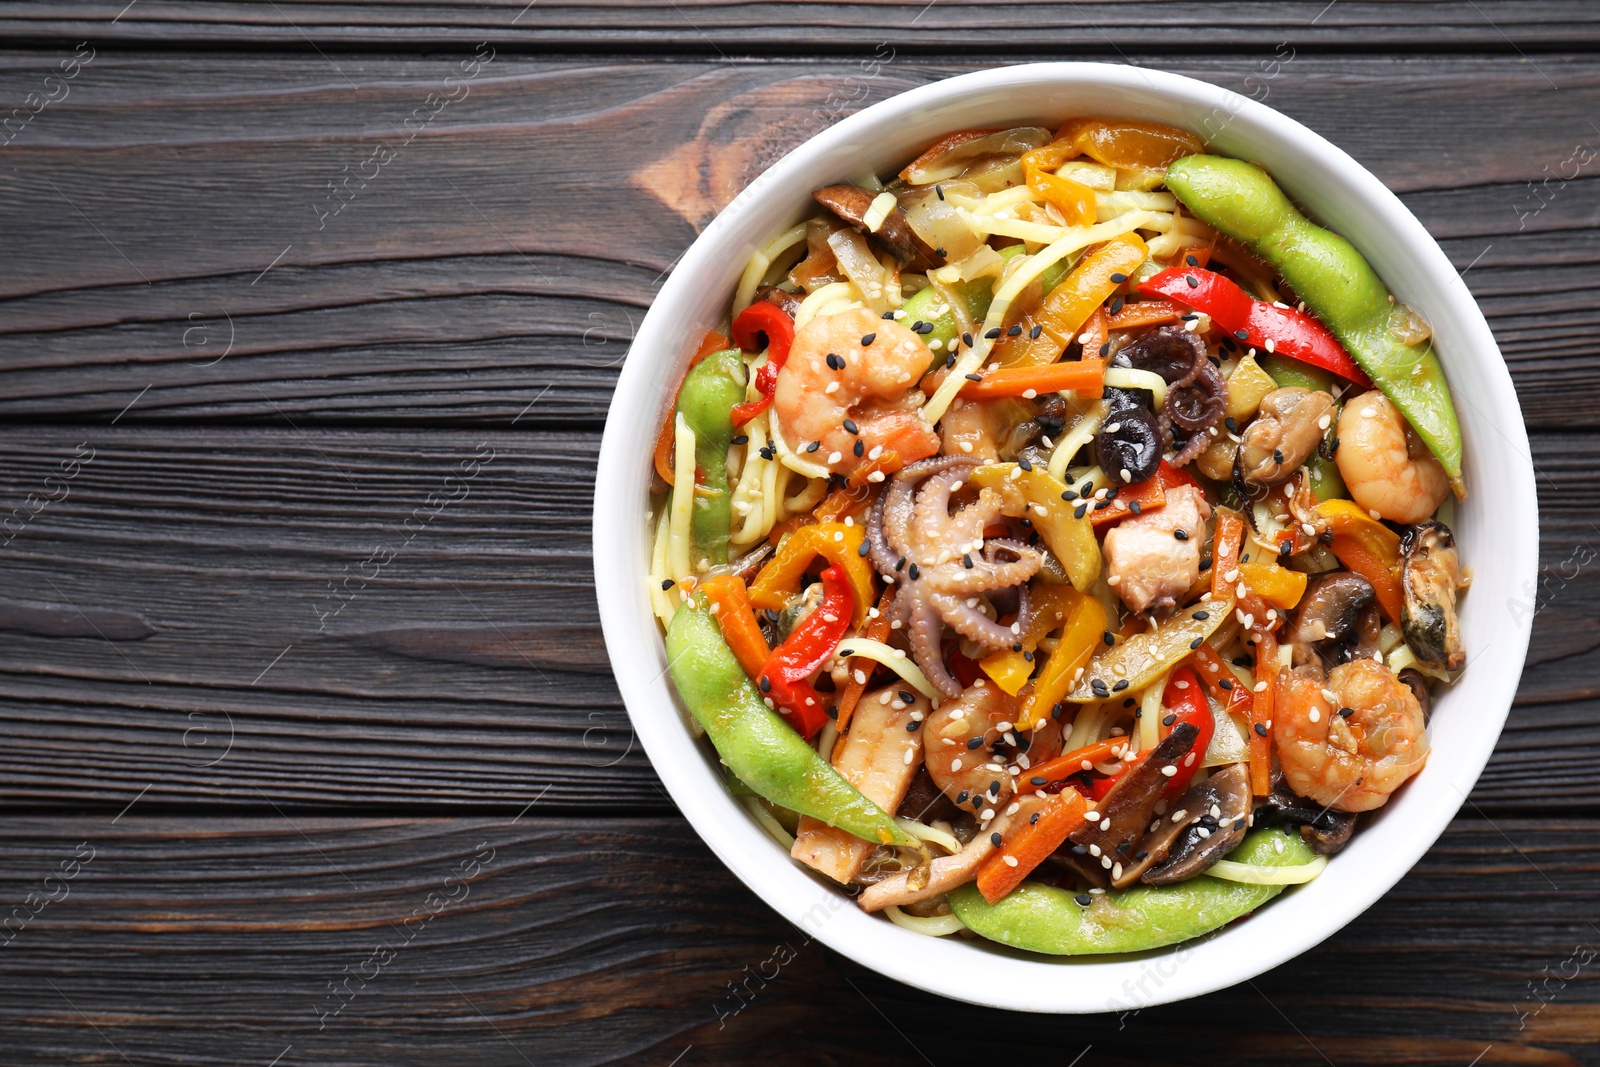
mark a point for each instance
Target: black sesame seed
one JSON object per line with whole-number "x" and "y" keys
{"x": 766, "y": 684}
{"x": 833, "y": 711}
{"x": 916, "y": 327}
{"x": 1245, "y": 558}
{"x": 974, "y": 743}
{"x": 851, "y": 427}
{"x": 742, "y": 439}
{"x": 966, "y": 339}
{"x": 1059, "y": 710}
{"x": 1079, "y": 511}
{"x": 1233, "y": 427}
{"x": 939, "y": 190}
{"x": 1102, "y": 505}
{"x": 1116, "y": 305}
{"x": 994, "y": 839}
{"x": 1124, "y": 846}
{"x": 906, "y": 695}
{"x": 1135, "y": 507}
{"x": 914, "y": 572}
{"x": 1142, "y": 854}
{"x": 1205, "y": 563}
{"x": 1036, "y": 331}
{"x": 1105, "y": 350}
{"x": 1243, "y": 335}
{"x": 974, "y": 377}
{"x": 868, "y": 339}
{"x": 865, "y": 548}
{"x": 1242, "y": 661}
{"x": 1201, "y": 616}
{"x": 1168, "y": 720}
{"x": 994, "y": 789}
{"x": 1277, "y": 456}
{"x": 1118, "y": 277}
{"x": 1083, "y": 899}
{"x": 1069, "y": 495}
{"x": 765, "y": 451}
{"x": 1196, "y": 643}
{"x": 961, "y": 797}
{"x": 1182, "y": 535}
{"x": 1138, "y": 713}
{"x": 887, "y": 315}
{"x": 1025, "y": 463}
{"x": 667, "y": 584}
{"x": 1014, "y": 331}
{"x": 992, "y": 334}
{"x": 1034, "y": 818}
{"x": 772, "y": 615}
{"x": 1189, "y": 316}
{"x": 1194, "y": 283}
{"x": 1285, "y": 549}
{"x": 1225, "y": 683}
{"x": 860, "y": 448}
{"x": 1110, "y": 638}
{"x": 1080, "y": 850}
{"x": 967, "y": 560}
{"x": 1261, "y": 729}
{"x": 911, "y": 727}
{"x": 939, "y": 252}
{"x": 1128, "y": 702}
{"x": 835, "y": 361}
{"x": 1037, "y": 780}
{"x": 900, "y": 564}
{"x": 1028, "y": 656}
{"x": 1346, "y": 712}
{"x": 1189, "y": 259}
{"x": 950, "y": 360}
{"x": 813, "y": 446}
{"x": 1122, "y": 683}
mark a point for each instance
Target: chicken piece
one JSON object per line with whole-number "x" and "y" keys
{"x": 1148, "y": 563}
{"x": 879, "y": 756}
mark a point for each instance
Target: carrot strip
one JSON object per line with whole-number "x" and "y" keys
{"x": 1031, "y": 843}
{"x": 1086, "y": 377}
{"x": 1145, "y": 313}
{"x": 1095, "y": 332}
{"x": 1069, "y": 763}
{"x": 1261, "y": 714}
{"x": 1225, "y": 574}
{"x": 877, "y": 629}
{"x": 1234, "y": 695}
{"x": 731, "y": 605}
{"x": 1355, "y": 555}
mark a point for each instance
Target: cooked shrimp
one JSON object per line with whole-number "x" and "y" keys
{"x": 965, "y": 770}
{"x": 1384, "y": 463}
{"x": 854, "y": 369}
{"x": 971, "y": 428}
{"x": 1351, "y": 752}
{"x": 1146, "y": 563}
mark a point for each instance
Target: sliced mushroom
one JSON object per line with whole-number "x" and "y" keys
{"x": 1430, "y": 576}
{"x": 1127, "y": 811}
{"x": 1418, "y": 684}
{"x": 894, "y": 234}
{"x": 1286, "y": 430}
{"x": 783, "y": 298}
{"x": 1329, "y": 616}
{"x": 1325, "y": 830}
{"x": 1215, "y": 816}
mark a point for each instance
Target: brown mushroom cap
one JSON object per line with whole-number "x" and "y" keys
{"x": 894, "y": 235}
{"x": 1217, "y": 812}
{"x": 1329, "y": 614}
{"x": 1127, "y": 811}
{"x": 1326, "y": 830}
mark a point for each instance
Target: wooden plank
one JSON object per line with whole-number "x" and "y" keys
{"x": 509, "y": 250}
{"x": 715, "y": 26}
{"x": 293, "y": 593}
{"x": 225, "y": 941}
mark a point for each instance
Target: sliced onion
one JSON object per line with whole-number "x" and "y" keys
{"x": 950, "y": 163}
{"x": 939, "y": 224}
{"x": 878, "y": 289}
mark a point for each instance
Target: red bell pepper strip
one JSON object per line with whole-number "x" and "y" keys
{"x": 1185, "y": 702}
{"x": 762, "y": 319}
{"x": 1283, "y": 331}
{"x": 786, "y": 676}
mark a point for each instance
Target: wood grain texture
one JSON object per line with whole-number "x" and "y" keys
{"x": 491, "y": 942}
{"x": 246, "y": 615}
{"x": 485, "y": 265}
{"x": 719, "y": 27}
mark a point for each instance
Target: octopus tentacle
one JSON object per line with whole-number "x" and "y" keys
{"x": 971, "y": 623}
{"x": 924, "y": 631}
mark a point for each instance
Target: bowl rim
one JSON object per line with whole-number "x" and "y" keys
{"x": 1028, "y": 981}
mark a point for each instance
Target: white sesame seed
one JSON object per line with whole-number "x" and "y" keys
{"x": 1027, "y": 394}
{"x": 1169, "y": 770}
{"x": 1231, "y": 576}
{"x": 875, "y": 476}
{"x": 955, "y": 764}
{"x": 1094, "y": 850}
{"x": 1116, "y": 870}
{"x": 1105, "y": 824}
{"x": 1216, "y": 811}
{"x": 1261, "y": 686}
{"x": 834, "y": 457}
{"x": 1202, "y": 831}
{"x": 910, "y": 754}
{"x": 1180, "y": 815}
{"x": 1013, "y": 808}
{"x": 831, "y": 387}
{"x": 1369, "y": 413}
{"x": 1105, "y": 861}
{"x": 1091, "y": 816}
{"x": 1011, "y": 861}
{"x": 860, "y": 677}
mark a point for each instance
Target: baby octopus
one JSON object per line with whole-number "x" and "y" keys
{"x": 848, "y": 393}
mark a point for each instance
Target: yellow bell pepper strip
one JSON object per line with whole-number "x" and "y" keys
{"x": 1325, "y": 270}
{"x": 1031, "y": 843}
{"x": 1131, "y": 665}
{"x": 758, "y": 747}
{"x": 1068, "y": 306}
{"x": 833, "y": 541}
{"x": 1081, "y": 634}
{"x": 1066, "y": 534}
{"x": 1130, "y": 144}
{"x": 1369, "y": 548}
{"x": 1012, "y": 668}
{"x": 877, "y": 629}
{"x": 1073, "y": 199}
{"x": 1084, "y": 377}
{"x": 1266, "y": 675}
{"x": 1278, "y": 586}
{"x": 730, "y": 603}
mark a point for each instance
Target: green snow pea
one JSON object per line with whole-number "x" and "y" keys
{"x": 1327, "y": 272}
{"x": 1042, "y": 918}
{"x": 757, "y": 746}
{"x": 1326, "y": 482}
{"x": 710, "y": 390}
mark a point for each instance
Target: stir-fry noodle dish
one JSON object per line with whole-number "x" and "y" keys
{"x": 1053, "y": 540}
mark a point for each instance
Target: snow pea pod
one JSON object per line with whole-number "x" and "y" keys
{"x": 706, "y": 401}
{"x": 757, "y": 746}
{"x": 1325, "y": 270}
{"x": 1041, "y": 918}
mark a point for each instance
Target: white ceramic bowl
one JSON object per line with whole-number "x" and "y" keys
{"x": 1496, "y": 527}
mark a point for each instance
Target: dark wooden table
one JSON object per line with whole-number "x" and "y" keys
{"x": 311, "y": 315}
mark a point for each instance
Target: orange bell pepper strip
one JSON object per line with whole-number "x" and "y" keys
{"x": 1261, "y": 713}
{"x": 1031, "y": 843}
{"x": 1369, "y": 548}
{"x": 1069, "y": 763}
{"x": 1129, "y": 143}
{"x": 877, "y": 629}
{"x": 833, "y": 541}
{"x": 712, "y": 342}
{"x": 1011, "y": 668}
{"x": 1068, "y": 306}
{"x": 1095, "y": 333}
{"x": 1083, "y": 631}
{"x": 1278, "y": 586}
{"x": 1084, "y": 377}
{"x": 730, "y": 603}
{"x": 1073, "y": 199}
